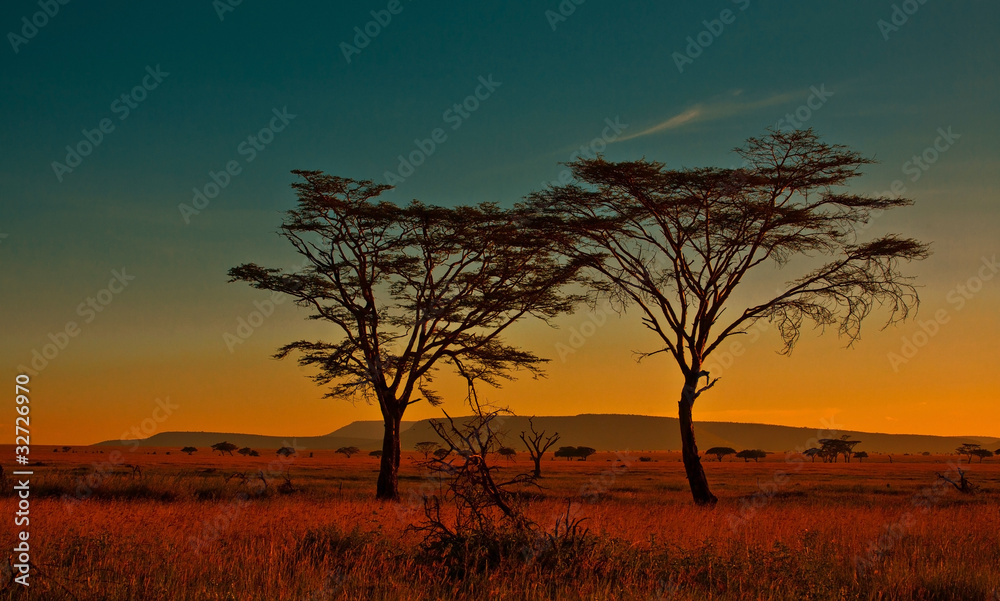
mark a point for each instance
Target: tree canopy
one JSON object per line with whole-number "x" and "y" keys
{"x": 721, "y": 452}
{"x": 408, "y": 289}
{"x": 676, "y": 245}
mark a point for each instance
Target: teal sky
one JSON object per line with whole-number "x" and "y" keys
{"x": 557, "y": 87}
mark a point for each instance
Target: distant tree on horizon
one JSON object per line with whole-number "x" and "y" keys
{"x": 832, "y": 448}
{"x": 224, "y": 447}
{"x": 967, "y": 449}
{"x": 426, "y": 447}
{"x": 348, "y": 451}
{"x": 537, "y": 444}
{"x": 748, "y": 454}
{"x": 982, "y": 454}
{"x": 566, "y": 452}
{"x": 678, "y": 243}
{"x": 861, "y": 456}
{"x": 376, "y": 453}
{"x": 721, "y": 452}
{"x": 189, "y": 450}
{"x": 410, "y": 290}
{"x": 245, "y": 451}
{"x": 581, "y": 453}
{"x": 507, "y": 453}
{"x": 285, "y": 452}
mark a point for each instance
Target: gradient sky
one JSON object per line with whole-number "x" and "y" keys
{"x": 161, "y": 336}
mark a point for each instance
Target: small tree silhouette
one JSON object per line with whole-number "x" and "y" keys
{"x": 426, "y": 447}
{"x": 721, "y": 452}
{"x": 224, "y": 447}
{"x": 982, "y": 454}
{"x": 861, "y": 456}
{"x": 507, "y": 453}
{"x": 747, "y": 454}
{"x": 377, "y": 453}
{"x": 348, "y": 451}
{"x": 285, "y": 452}
{"x": 968, "y": 449}
{"x": 189, "y": 450}
{"x": 537, "y": 443}
{"x": 567, "y": 452}
{"x": 245, "y": 451}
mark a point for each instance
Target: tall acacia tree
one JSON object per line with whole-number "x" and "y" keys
{"x": 409, "y": 289}
{"x": 677, "y": 244}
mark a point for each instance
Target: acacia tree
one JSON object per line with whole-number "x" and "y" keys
{"x": 721, "y": 452}
{"x": 747, "y": 454}
{"x": 537, "y": 443}
{"x": 427, "y": 447}
{"x": 224, "y": 447}
{"x": 677, "y": 245}
{"x": 408, "y": 289}
{"x": 968, "y": 449}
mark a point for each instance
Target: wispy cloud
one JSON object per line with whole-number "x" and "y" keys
{"x": 719, "y": 108}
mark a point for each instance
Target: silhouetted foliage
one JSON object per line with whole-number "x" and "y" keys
{"x": 720, "y": 452}
{"x": 375, "y": 454}
{"x": 224, "y": 447}
{"x": 507, "y": 453}
{"x": 861, "y": 456}
{"x": 348, "y": 451}
{"x": 982, "y": 454}
{"x": 968, "y": 449}
{"x": 189, "y": 450}
{"x": 580, "y": 453}
{"x": 748, "y": 454}
{"x": 426, "y": 447}
{"x": 537, "y": 444}
{"x": 834, "y": 447}
{"x": 285, "y": 452}
{"x": 245, "y": 451}
{"x": 677, "y": 243}
{"x": 410, "y": 289}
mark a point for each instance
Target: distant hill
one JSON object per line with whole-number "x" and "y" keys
{"x": 605, "y": 432}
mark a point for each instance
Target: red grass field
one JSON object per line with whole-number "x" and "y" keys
{"x": 180, "y": 531}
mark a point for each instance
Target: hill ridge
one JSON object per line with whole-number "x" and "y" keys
{"x": 603, "y": 431}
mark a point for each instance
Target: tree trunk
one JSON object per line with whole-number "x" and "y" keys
{"x": 387, "y": 488}
{"x": 538, "y": 466}
{"x": 689, "y": 449}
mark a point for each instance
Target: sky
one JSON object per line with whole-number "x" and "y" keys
{"x": 148, "y": 147}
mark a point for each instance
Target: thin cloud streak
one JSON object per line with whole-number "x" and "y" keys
{"x": 711, "y": 111}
